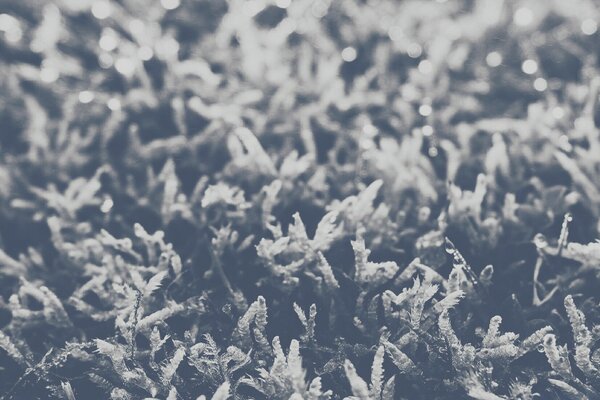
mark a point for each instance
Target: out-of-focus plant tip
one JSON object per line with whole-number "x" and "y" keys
{"x": 299, "y": 199}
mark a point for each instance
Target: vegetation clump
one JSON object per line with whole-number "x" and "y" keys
{"x": 305, "y": 199}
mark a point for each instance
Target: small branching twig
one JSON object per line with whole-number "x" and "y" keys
{"x": 564, "y": 233}
{"x": 138, "y": 300}
{"x": 544, "y": 249}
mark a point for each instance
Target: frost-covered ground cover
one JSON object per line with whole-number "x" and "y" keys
{"x": 299, "y": 199}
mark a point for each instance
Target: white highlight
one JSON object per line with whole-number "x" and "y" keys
{"x": 101, "y": 9}
{"x": 523, "y": 16}
{"x": 349, "y": 54}
{"x": 86, "y": 96}
{"x": 530, "y": 67}
{"x": 425, "y": 110}
{"x": 540, "y": 84}
{"x": 170, "y": 4}
{"x": 493, "y": 59}
{"x": 589, "y": 26}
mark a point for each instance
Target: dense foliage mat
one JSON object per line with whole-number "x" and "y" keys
{"x": 299, "y": 199}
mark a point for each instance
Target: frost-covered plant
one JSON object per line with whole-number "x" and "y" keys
{"x": 301, "y": 255}
{"x": 584, "y": 381}
{"x": 378, "y": 389}
{"x": 189, "y": 187}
